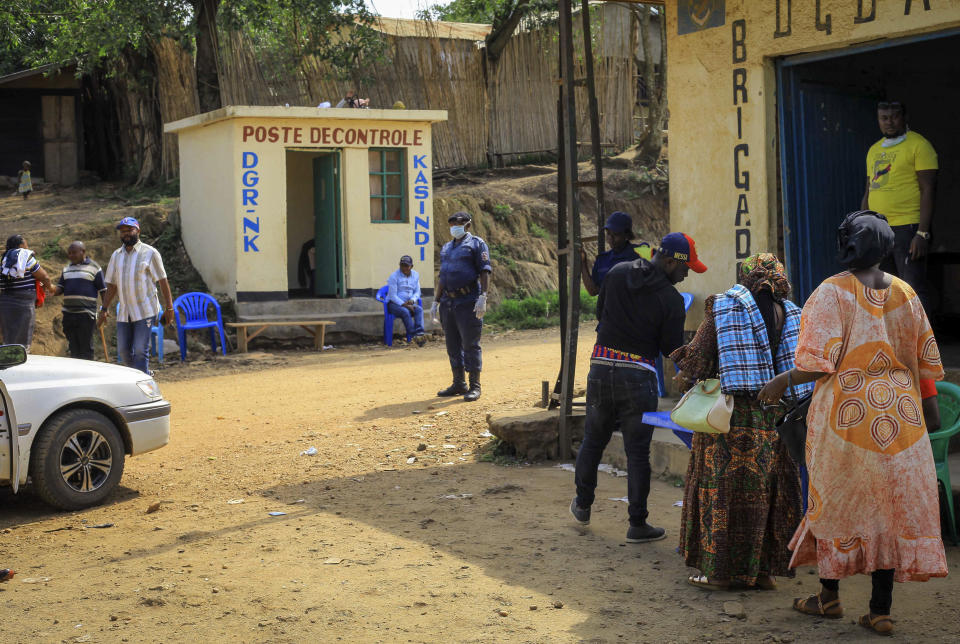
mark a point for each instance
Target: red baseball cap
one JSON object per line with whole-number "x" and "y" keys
{"x": 680, "y": 246}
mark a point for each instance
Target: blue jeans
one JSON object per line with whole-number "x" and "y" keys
{"x": 618, "y": 393}
{"x": 133, "y": 343}
{"x": 461, "y": 331}
{"x": 412, "y": 322}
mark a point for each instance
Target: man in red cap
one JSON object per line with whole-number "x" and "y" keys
{"x": 641, "y": 315}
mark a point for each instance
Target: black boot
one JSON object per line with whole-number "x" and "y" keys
{"x": 474, "y": 392}
{"x": 458, "y": 387}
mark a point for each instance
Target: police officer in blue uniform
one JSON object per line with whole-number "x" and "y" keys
{"x": 619, "y": 232}
{"x": 461, "y": 299}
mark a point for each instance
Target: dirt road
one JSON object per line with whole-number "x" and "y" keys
{"x": 441, "y": 549}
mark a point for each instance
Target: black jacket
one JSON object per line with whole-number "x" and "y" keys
{"x": 640, "y": 311}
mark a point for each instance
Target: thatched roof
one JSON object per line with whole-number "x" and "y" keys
{"x": 431, "y": 28}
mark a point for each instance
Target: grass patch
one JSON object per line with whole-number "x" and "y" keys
{"x": 498, "y": 252}
{"x": 502, "y": 212}
{"x": 51, "y": 249}
{"x": 132, "y": 195}
{"x": 537, "y": 311}
{"x": 498, "y": 452}
{"x": 537, "y": 230}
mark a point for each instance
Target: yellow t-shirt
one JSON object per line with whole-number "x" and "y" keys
{"x": 894, "y": 189}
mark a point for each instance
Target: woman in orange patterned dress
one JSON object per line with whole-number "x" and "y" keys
{"x": 872, "y": 501}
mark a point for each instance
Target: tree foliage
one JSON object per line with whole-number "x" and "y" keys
{"x": 504, "y": 15}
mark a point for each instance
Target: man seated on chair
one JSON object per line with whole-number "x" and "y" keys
{"x": 403, "y": 293}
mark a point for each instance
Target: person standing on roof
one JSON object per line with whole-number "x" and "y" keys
{"x": 619, "y": 232}
{"x": 461, "y": 301}
{"x": 133, "y": 274}
{"x": 641, "y": 315}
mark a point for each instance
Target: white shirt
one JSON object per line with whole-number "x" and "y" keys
{"x": 135, "y": 274}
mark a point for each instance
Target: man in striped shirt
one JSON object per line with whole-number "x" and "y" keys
{"x": 133, "y": 274}
{"x": 80, "y": 284}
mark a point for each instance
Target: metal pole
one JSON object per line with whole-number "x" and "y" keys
{"x": 572, "y": 248}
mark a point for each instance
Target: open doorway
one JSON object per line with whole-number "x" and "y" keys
{"x": 314, "y": 224}
{"x": 827, "y": 118}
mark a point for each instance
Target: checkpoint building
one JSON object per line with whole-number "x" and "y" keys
{"x": 297, "y": 211}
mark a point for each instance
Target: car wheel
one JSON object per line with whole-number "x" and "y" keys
{"x": 77, "y": 460}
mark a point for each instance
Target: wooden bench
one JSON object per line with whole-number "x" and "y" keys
{"x": 316, "y": 328}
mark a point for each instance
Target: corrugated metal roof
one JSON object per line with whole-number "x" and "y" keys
{"x": 26, "y": 73}
{"x": 431, "y": 28}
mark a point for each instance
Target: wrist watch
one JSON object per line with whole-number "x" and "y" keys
{"x": 922, "y": 234}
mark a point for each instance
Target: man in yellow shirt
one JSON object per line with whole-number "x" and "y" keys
{"x": 901, "y": 181}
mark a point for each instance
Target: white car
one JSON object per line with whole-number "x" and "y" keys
{"x": 67, "y": 424}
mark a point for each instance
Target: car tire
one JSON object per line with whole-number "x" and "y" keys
{"x": 77, "y": 460}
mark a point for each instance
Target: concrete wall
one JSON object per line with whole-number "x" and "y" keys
{"x": 723, "y": 112}
{"x": 237, "y": 175}
{"x": 207, "y": 204}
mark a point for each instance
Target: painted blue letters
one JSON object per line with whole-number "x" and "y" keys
{"x": 249, "y": 160}
{"x": 419, "y": 161}
{"x": 248, "y": 197}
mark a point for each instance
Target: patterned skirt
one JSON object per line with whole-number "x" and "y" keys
{"x": 742, "y": 501}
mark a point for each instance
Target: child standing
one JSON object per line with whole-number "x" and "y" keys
{"x": 23, "y": 178}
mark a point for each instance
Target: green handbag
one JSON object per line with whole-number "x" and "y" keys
{"x": 704, "y": 408}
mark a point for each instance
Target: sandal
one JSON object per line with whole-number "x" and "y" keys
{"x": 813, "y": 605}
{"x": 765, "y": 582}
{"x": 881, "y": 624}
{"x": 702, "y": 581}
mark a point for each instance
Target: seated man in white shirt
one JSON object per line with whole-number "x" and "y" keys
{"x": 403, "y": 294}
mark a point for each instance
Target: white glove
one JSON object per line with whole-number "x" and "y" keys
{"x": 481, "y": 306}
{"x": 435, "y": 312}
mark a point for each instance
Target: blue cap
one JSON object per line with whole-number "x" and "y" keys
{"x": 406, "y": 259}
{"x": 129, "y": 221}
{"x": 619, "y": 222}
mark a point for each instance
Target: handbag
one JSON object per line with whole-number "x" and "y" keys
{"x": 704, "y": 408}
{"x": 792, "y": 427}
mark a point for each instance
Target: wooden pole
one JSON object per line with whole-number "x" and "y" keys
{"x": 103, "y": 339}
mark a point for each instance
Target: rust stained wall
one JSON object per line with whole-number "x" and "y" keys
{"x": 723, "y": 112}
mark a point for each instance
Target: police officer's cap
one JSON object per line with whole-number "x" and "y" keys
{"x": 620, "y": 222}
{"x": 462, "y": 216}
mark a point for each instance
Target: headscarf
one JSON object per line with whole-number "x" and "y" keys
{"x": 863, "y": 239}
{"x": 766, "y": 279}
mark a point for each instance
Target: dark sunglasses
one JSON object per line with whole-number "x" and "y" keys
{"x": 894, "y": 105}
{"x": 457, "y": 221}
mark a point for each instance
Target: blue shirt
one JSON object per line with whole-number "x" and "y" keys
{"x": 461, "y": 261}
{"x": 401, "y": 288}
{"x": 610, "y": 258}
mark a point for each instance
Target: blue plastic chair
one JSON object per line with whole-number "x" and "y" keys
{"x": 661, "y": 385}
{"x": 388, "y": 317}
{"x": 156, "y": 339}
{"x": 195, "y": 307}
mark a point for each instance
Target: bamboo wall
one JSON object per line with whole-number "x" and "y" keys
{"x": 513, "y": 114}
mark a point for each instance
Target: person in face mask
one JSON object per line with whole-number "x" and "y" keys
{"x": 134, "y": 272}
{"x": 461, "y": 302}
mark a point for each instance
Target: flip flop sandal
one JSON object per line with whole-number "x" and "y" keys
{"x": 881, "y": 624}
{"x": 813, "y": 605}
{"x": 766, "y": 583}
{"x": 702, "y": 581}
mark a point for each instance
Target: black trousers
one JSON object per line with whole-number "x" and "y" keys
{"x": 882, "y": 597}
{"x": 78, "y": 327}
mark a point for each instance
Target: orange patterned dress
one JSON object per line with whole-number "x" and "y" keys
{"x": 872, "y": 502}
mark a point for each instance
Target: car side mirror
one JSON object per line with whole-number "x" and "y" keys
{"x": 12, "y": 354}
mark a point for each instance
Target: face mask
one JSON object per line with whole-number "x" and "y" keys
{"x": 131, "y": 240}
{"x": 458, "y": 231}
